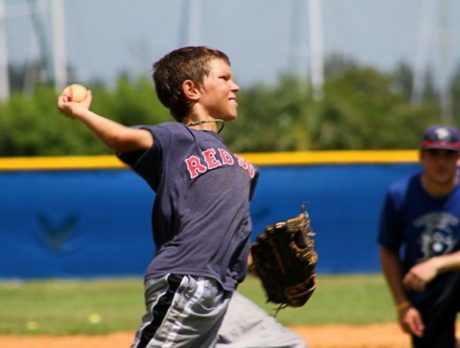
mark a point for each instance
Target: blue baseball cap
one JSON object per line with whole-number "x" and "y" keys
{"x": 441, "y": 137}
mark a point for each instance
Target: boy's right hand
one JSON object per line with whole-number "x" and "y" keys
{"x": 73, "y": 109}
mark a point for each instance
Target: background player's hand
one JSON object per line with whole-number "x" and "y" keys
{"x": 420, "y": 275}
{"x": 72, "y": 109}
{"x": 411, "y": 321}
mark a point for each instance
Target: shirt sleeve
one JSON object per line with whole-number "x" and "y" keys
{"x": 254, "y": 182}
{"x": 390, "y": 234}
{"x": 146, "y": 164}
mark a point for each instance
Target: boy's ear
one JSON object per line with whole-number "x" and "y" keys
{"x": 190, "y": 90}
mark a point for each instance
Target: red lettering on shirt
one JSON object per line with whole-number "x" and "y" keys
{"x": 210, "y": 159}
{"x": 242, "y": 163}
{"x": 226, "y": 157}
{"x": 246, "y": 166}
{"x": 251, "y": 170}
{"x": 194, "y": 166}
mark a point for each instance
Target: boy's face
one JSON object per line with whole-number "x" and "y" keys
{"x": 218, "y": 94}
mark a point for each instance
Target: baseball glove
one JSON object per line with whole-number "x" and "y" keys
{"x": 283, "y": 257}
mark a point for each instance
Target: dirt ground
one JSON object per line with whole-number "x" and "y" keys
{"x": 372, "y": 336}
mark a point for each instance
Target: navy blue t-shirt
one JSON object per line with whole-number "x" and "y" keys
{"x": 420, "y": 225}
{"x": 201, "y": 223}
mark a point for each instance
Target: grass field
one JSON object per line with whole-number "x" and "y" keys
{"x": 108, "y": 305}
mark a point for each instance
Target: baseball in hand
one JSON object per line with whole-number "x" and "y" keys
{"x": 75, "y": 92}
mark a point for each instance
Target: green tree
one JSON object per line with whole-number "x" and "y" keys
{"x": 361, "y": 108}
{"x": 270, "y": 119}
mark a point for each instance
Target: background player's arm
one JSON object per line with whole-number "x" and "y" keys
{"x": 409, "y": 317}
{"x": 421, "y": 274}
{"x": 114, "y": 135}
{"x": 392, "y": 271}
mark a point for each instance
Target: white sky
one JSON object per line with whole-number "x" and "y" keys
{"x": 104, "y": 37}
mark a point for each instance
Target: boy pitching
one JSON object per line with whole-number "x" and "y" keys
{"x": 200, "y": 219}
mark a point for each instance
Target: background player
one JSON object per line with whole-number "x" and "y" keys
{"x": 421, "y": 214}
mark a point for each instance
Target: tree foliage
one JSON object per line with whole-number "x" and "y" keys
{"x": 361, "y": 108}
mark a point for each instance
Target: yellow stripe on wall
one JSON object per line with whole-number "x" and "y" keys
{"x": 332, "y": 157}
{"x": 60, "y": 163}
{"x": 260, "y": 159}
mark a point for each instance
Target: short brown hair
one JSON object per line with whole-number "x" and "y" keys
{"x": 187, "y": 63}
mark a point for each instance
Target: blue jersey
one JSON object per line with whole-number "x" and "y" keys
{"x": 201, "y": 223}
{"x": 420, "y": 226}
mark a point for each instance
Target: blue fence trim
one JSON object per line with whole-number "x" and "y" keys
{"x": 96, "y": 222}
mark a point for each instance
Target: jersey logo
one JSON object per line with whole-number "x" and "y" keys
{"x": 438, "y": 234}
{"x": 214, "y": 158}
